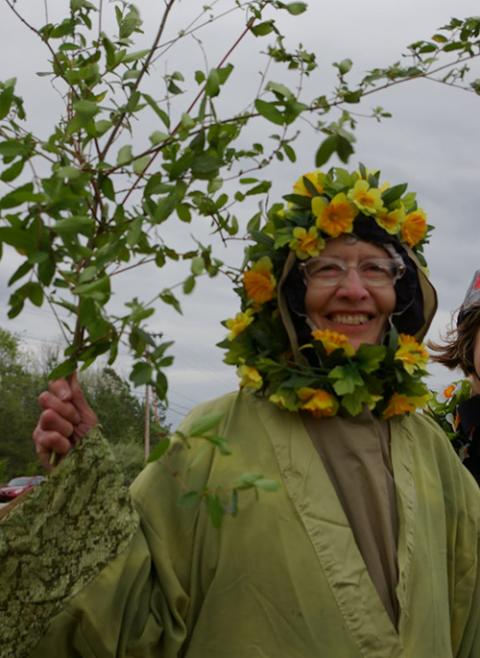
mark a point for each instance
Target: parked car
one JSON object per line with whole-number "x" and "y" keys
{"x": 18, "y": 485}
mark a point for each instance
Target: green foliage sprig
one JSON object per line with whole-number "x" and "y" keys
{"x": 442, "y": 407}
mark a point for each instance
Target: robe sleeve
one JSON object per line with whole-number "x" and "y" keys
{"x": 88, "y": 573}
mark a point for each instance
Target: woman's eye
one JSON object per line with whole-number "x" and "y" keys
{"x": 328, "y": 269}
{"x": 373, "y": 267}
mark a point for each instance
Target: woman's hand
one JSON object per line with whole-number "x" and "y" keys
{"x": 66, "y": 418}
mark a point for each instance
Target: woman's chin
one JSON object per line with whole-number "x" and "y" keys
{"x": 357, "y": 334}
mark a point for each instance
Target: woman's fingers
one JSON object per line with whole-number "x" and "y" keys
{"x": 66, "y": 418}
{"x": 48, "y": 442}
{"x": 87, "y": 415}
{"x": 51, "y": 421}
{"x": 67, "y": 410}
{"x": 61, "y": 389}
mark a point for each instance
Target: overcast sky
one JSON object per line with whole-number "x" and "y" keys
{"x": 431, "y": 142}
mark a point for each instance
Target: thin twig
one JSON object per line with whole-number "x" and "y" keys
{"x": 57, "y": 317}
{"x": 100, "y": 16}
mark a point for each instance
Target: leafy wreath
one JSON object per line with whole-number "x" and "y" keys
{"x": 330, "y": 377}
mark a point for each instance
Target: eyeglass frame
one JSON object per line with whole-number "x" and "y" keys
{"x": 397, "y": 260}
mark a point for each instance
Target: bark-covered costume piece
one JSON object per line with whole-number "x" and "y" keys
{"x": 307, "y": 571}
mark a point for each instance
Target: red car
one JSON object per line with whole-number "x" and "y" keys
{"x": 16, "y": 486}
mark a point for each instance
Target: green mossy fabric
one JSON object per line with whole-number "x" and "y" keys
{"x": 284, "y": 579}
{"x": 58, "y": 540}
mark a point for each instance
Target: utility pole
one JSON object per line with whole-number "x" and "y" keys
{"x": 146, "y": 435}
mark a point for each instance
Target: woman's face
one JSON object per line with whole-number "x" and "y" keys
{"x": 353, "y": 306}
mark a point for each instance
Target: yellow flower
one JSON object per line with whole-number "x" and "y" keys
{"x": 412, "y": 354}
{"x": 391, "y": 221}
{"x": 249, "y": 377}
{"x": 259, "y": 281}
{"x": 403, "y": 404}
{"x": 318, "y": 402}
{"x": 315, "y": 177}
{"x": 239, "y": 323}
{"x": 414, "y": 227}
{"x": 367, "y": 199}
{"x": 336, "y": 217}
{"x": 332, "y": 340}
{"x": 306, "y": 244}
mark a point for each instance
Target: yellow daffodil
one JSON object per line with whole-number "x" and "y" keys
{"x": 249, "y": 377}
{"x": 367, "y": 199}
{"x": 318, "y": 402}
{"x": 259, "y": 281}
{"x": 334, "y": 217}
{"x": 332, "y": 340}
{"x": 412, "y": 354}
{"x": 239, "y": 323}
{"x": 402, "y": 404}
{"x": 414, "y": 227}
{"x": 306, "y": 244}
{"x": 391, "y": 221}
{"x": 315, "y": 177}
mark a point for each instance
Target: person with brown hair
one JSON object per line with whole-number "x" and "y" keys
{"x": 461, "y": 349}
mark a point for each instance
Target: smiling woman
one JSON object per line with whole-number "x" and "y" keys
{"x": 351, "y": 290}
{"x": 342, "y": 256}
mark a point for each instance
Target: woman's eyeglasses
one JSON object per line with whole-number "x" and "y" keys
{"x": 325, "y": 271}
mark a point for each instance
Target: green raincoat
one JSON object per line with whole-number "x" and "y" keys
{"x": 84, "y": 573}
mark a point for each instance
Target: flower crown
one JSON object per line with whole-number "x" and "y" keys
{"x": 330, "y": 377}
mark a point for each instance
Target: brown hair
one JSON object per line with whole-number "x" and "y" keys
{"x": 457, "y": 350}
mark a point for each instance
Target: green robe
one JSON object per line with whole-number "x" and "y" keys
{"x": 283, "y": 579}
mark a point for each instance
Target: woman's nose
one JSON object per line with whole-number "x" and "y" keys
{"x": 352, "y": 286}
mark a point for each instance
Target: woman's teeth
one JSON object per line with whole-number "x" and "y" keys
{"x": 350, "y": 319}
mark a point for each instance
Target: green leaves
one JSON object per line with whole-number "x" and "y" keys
{"x": 86, "y": 108}
{"x": 74, "y": 225}
{"x": 269, "y": 111}
{"x": 262, "y": 29}
{"x": 159, "y": 450}
{"x": 98, "y": 289}
{"x": 19, "y": 196}
{"x": 295, "y": 8}
{"x": 141, "y": 374}
{"x": 212, "y": 88}
{"x": 6, "y": 100}
{"x": 128, "y": 23}
{"x": 333, "y": 144}
{"x": 346, "y": 379}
